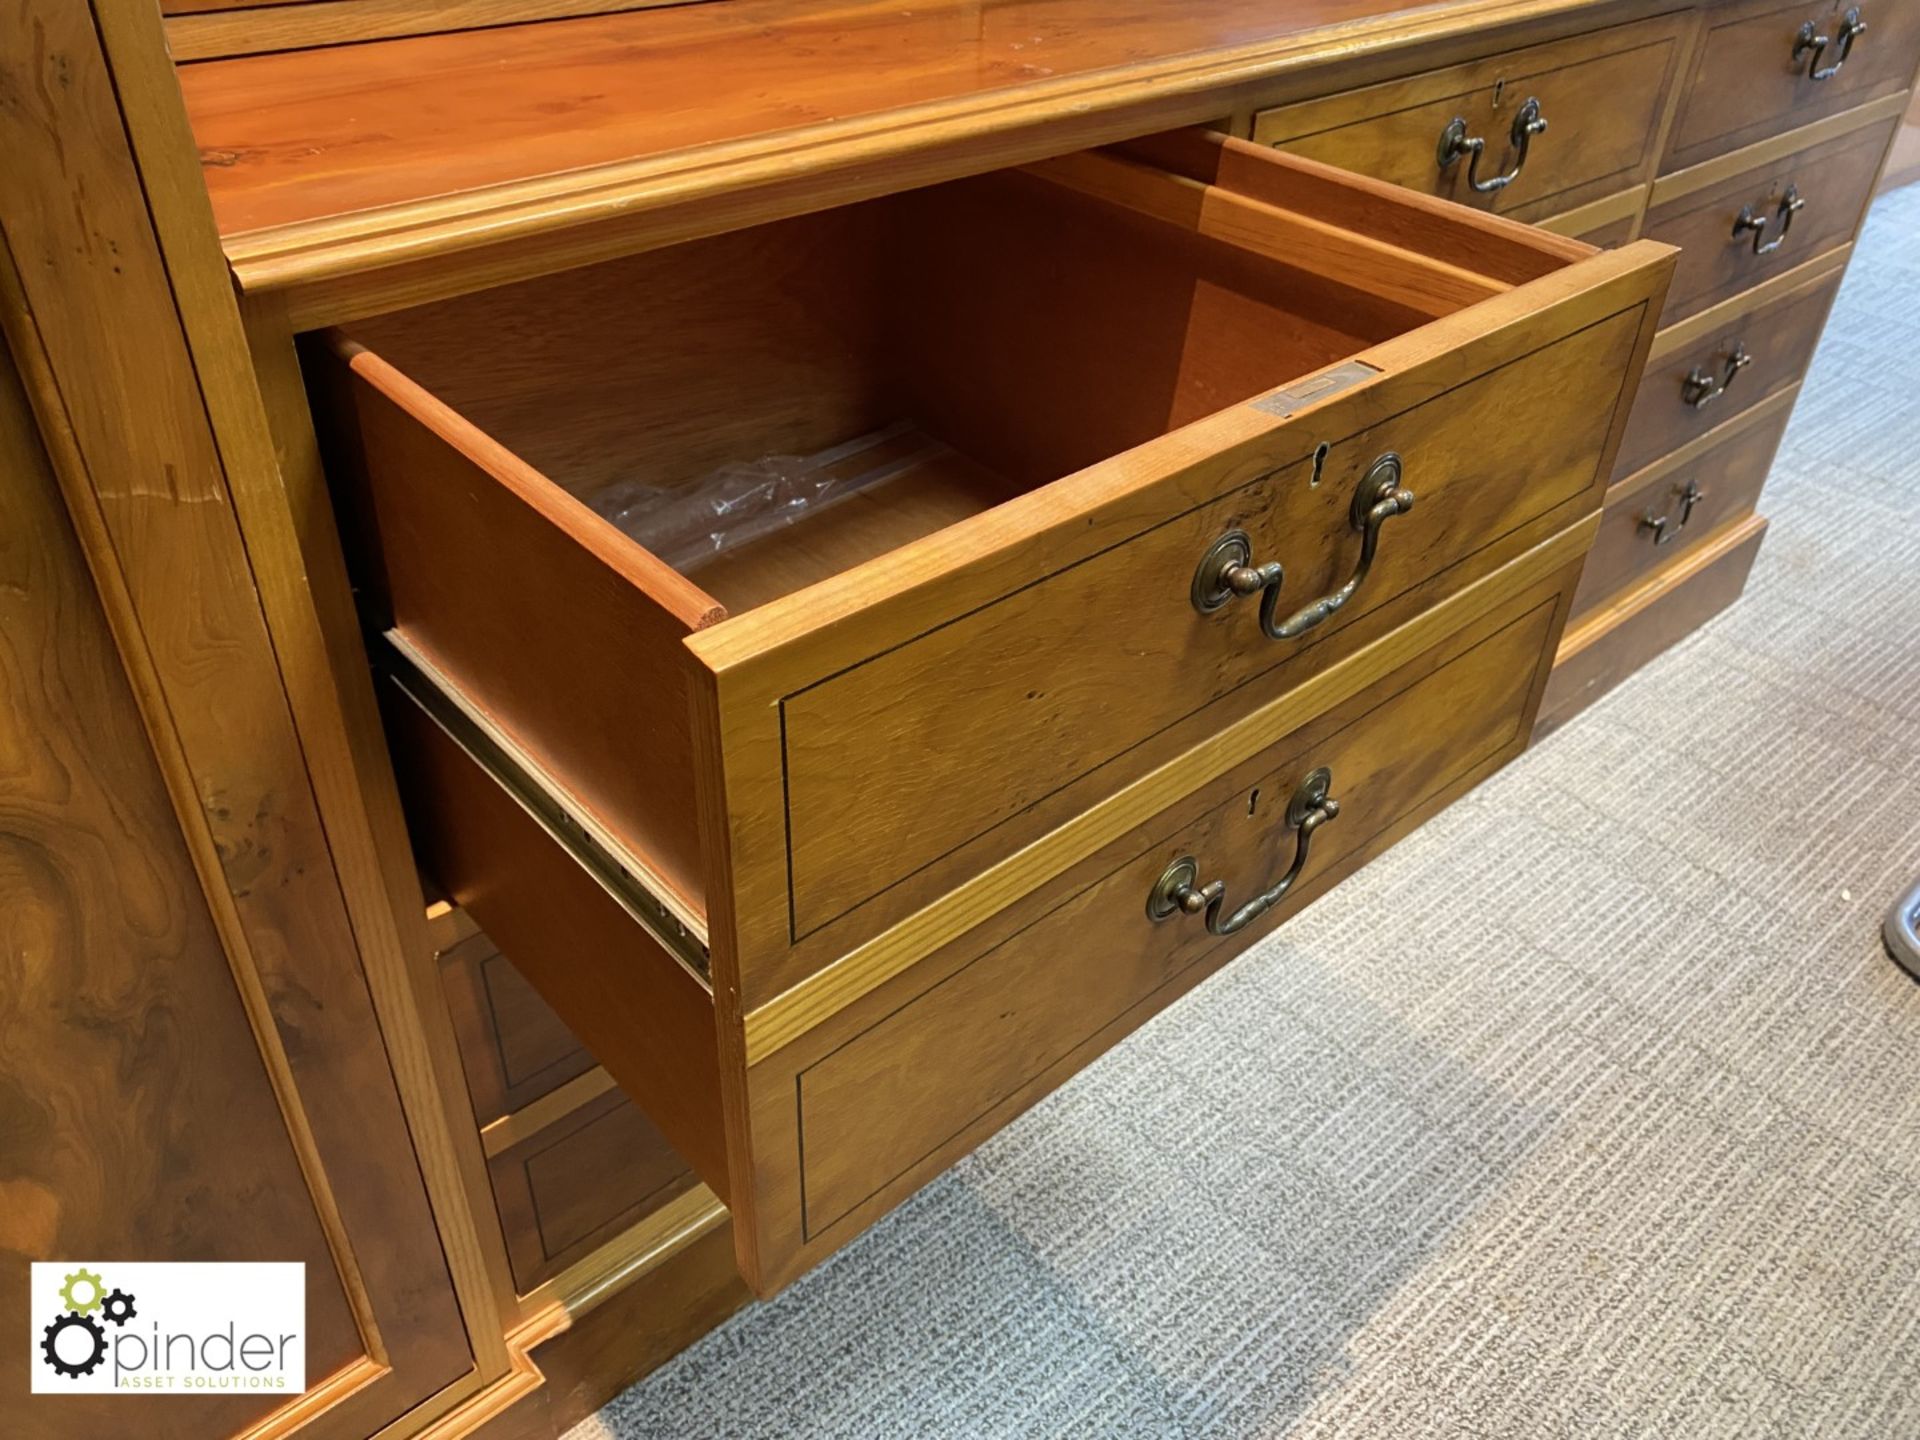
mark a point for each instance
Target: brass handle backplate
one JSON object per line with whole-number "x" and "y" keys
{"x": 1665, "y": 527}
{"x": 1751, "y": 221}
{"x": 1812, "y": 44}
{"x": 1701, "y": 388}
{"x": 1455, "y": 142}
{"x": 1227, "y": 569}
{"x": 1178, "y": 891}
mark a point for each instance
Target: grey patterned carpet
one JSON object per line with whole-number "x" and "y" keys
{"x": 1593, "y": 1109}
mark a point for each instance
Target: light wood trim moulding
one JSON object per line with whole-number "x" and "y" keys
{"x": 1774, "y": 147}
{"x": 637, "y": 1249}
{"x": 1685, "y": 455}
{"x": 316, "y": 1400}
{"x": 464, "y": 1409}
{"x": 603, "y": 211}
{"x": 793, "y": 1012}
{"x": 1608, "y": 208}
{"x": 499, "y": 1136}
{"x": 470, "y": 1406}
{"x": 1791, "y": 283}
{"x": 213, "y": 34}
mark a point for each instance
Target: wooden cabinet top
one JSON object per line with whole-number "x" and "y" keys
{"x": 445, "y": 161}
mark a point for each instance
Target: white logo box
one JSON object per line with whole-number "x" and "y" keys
{"x": 117, "y": 1327}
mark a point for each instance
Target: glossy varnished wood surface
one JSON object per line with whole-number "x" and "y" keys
{"x": 1001, "y": 988}
{"x": 1777, "y": 324}
{"x": 1744, "y": 83}
{"x": 299, "y": 135}
{"x": 364, "y": 178}
{"x": 208, "y": 29}
{"x": 1834, "y": 181}
{"x": 1066, "y": 675}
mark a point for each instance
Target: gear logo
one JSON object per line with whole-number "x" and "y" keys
{"x": 75, "y": 1342}
{"x": 103, "y": 1325}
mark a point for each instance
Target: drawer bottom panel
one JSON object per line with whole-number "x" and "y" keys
{"x": 899, "y": 1085}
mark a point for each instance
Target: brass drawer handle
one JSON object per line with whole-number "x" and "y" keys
{"x": 1455, "y": 142}
{"x": 1178, "y": 890}
{"x": 1665, "y": 527}
{"x": 1750, "y": 220}
{"x": 1227, "y": 569}
{"x": 1701, "y": 389}
{"x": 1852, "y": 27}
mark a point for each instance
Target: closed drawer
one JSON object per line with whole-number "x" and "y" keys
{"x": 578, "y": 1183}
{"x": 1703, "y": 374}
{"x": 1601, "y": 97}
{"x": 1664, "y": 512}
{"x": 514, "y": 1049}
{"x": 1762, "y": 67}
{"x": 894, "y": 1061}
{"x": 1738, "y": 232}
{"x": 1036, "y": 404}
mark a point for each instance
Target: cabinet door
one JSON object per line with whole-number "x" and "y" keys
{"x": 160, "y": 1097}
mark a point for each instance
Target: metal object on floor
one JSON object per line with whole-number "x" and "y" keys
{"x": 1902, "y": 930}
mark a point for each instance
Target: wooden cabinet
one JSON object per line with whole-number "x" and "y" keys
{"x": 1767, "y": 127}
{"x": 1164, "y": 469}
{"x": 890, "y": 1091}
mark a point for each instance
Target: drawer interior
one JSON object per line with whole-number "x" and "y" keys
{"x": 766, "y": 408}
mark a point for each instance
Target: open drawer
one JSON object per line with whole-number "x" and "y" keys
{"x": 1115, "y": 453}
{"x": 1115, "y": 449}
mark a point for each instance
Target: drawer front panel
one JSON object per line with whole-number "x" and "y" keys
{"x": 1060, "y": 678}
{"x": 1748, "y": 82}
{"x": 512, "y": 1045}
{"x": 883, "y": 1108}
{"x": 1654, "y": 523}
{"x": 577, "y": 1183}
{"x": 1601, "y": 96}
{"x": 1695, "y": 386}
{"x": 1765, "y": 221}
